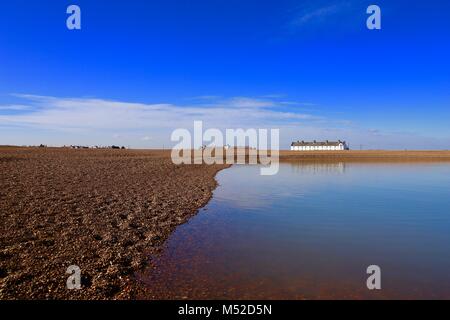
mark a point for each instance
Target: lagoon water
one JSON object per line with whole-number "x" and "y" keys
{"x": 311, "y": 231}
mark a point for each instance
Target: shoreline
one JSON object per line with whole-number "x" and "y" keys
{"x": 108, "y": 211}
{"x": 105, "y": 211}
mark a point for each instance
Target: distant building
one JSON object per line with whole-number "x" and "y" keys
{"x": 319, "y": 145}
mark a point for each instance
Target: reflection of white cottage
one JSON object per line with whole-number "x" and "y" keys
{"x": 319, "y": 145}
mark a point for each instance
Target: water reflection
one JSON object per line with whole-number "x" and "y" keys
{"x": 317, "y": 167}
{"x": 311, "y": 231}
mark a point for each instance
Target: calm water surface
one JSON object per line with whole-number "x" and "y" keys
{"x": 311, "y": 231}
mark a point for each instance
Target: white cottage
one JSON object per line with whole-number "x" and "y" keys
{"x": 319, "y": 145}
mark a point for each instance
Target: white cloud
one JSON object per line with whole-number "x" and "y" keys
{"x": 79, "y": 113}
{"x": 14, "y": 107}
{"x": 100, "y": 118}
{"x": 244, "y": 102}
{"x": 306, "y": 17}
{"x": 89, "y": 121}
{"x": 312, "y": 13}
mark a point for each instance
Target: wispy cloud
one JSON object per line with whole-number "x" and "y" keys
{"x": 316, "y": 14}
{"x": 59, "y": 121}
{"x": 245, "y": 102}
{"x": 107, "y": 114}
{"x": 118, "y": 118}
{"x": 14, "y": 107}
{"x": 205, "y": 98}
{"x": 295, "y": 103}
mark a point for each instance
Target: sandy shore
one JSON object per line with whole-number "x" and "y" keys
{"x": 103, "y": 210}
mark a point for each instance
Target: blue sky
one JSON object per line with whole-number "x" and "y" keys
{"x": 139, "y": 69}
